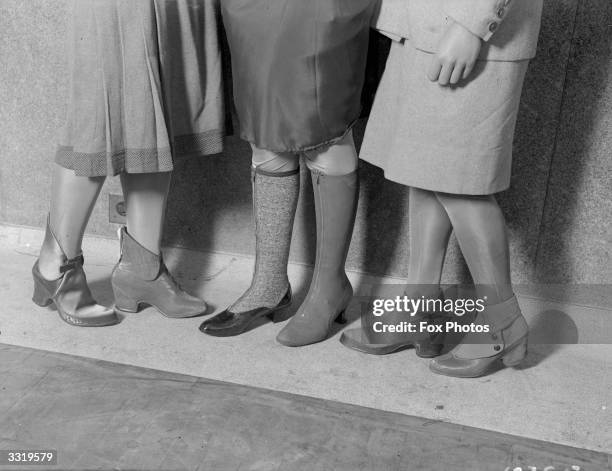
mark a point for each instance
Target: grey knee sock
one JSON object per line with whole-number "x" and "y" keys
{"x": 275, "y": 197}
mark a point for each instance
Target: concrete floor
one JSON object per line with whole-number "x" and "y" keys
{"x": 120, "y": 417}
{"x": 561, "y": 394}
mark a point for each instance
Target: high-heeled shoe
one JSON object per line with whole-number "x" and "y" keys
{"x": 69, "y": 293}
{"x": 141, "y": 278}
{"x": 330, "y": 290}
{"x": 477, "y": 353}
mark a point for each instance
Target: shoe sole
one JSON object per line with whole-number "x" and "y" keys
{"x": 140, "y": 305}
{"x": 372, "y": 349}
{"x": 75, "y": 322}
{"x": 489, "y": 367}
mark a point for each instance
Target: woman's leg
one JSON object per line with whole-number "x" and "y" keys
{"x": 146, "y": 195}
{"x": 58, "y": 273}
{"x": 481, "y": 230}
{"x": 72, "y": 201}
{"x": 141, "y": 276}
{"x": 276, "y": 187}
{"x": 335, "y": 185}
{"x": 430, "y": 229}
{"x": 337, "y": 159}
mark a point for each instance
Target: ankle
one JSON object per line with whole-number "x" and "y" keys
{"x": 334, "y": 286}
{"x": 262, "y": 294}
{"x": 152, "y": 244}
{"x": 49, "y": 264}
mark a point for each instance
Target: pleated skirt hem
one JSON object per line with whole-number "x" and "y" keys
{"x": 155, "y": 160}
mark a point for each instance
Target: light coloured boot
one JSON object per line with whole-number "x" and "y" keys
{"x": 141, "y": 278}
{"x": 69, "y": 293}
{"x": 330, "y": 290}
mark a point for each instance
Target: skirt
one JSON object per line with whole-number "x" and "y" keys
{"x": 448, "y": 139}
{"x": 145, "y": 85}
{"x": 298, "y": 68}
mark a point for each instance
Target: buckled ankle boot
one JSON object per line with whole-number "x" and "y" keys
{"x": 141, "y": 278}
{"x": 506, "y": 341}
{"x": 69, "y": 293}
{"x": 330, "y": 291}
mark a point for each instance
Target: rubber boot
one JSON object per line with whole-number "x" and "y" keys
{"x": 330, "y": 291}
{"x": 506, "y": 341}
{"x": 69, "y": 293}
{"x": 141, "y": 278}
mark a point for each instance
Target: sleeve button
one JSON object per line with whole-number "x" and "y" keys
{"x": 493, "y": 27}
{"x": 501, "y": 12}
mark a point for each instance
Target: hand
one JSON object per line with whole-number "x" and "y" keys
{"x": 458, "y": 51}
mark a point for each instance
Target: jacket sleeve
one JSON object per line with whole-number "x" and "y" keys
{"x": 481, "y": 17}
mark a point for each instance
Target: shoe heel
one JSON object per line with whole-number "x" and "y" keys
{"x": 280, "y": 315}
{"x": 41, "y": 296}
{"x": 515, "y": 356}
{"x": 125, "y": 304}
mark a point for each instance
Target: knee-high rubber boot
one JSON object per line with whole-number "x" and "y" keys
{"x": 330, "y": 290}
{"x": 141, "y": 277}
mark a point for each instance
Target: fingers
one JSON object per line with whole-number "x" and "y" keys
{"x": 447, "y": 72}
{"x": 440, "y": 70}
{"x": 457, "y": 74}
{"x": 435, "y": 67}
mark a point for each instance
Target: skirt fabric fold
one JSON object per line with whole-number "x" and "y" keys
{"x": 298, "y": 68}
{"x": 145, "y": 85}
{"x": 454, "y": 139}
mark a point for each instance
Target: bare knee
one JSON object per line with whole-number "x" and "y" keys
{"x": 336, "y": 159}
{"x": 274, "y": 162}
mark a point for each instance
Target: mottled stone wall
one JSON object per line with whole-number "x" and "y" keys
{"x": 559, "y": 208}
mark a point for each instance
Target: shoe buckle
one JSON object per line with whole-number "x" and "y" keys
{"x": 72, "y": 264}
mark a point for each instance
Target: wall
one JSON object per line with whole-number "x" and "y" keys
{"x": 559, "y": 209}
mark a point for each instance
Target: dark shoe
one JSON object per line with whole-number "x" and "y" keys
{"x": 330, "y": 291}
{"x": 478, "y": 353}
{"x": 275, "y": 198}
{"x": 228, "y": 323}
{"x": 367, "y": 339}
{"x": 70, "y": 292}
{"x": 141, "y": 278}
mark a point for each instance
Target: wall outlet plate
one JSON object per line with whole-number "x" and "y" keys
{"x": 116, "y": 209}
